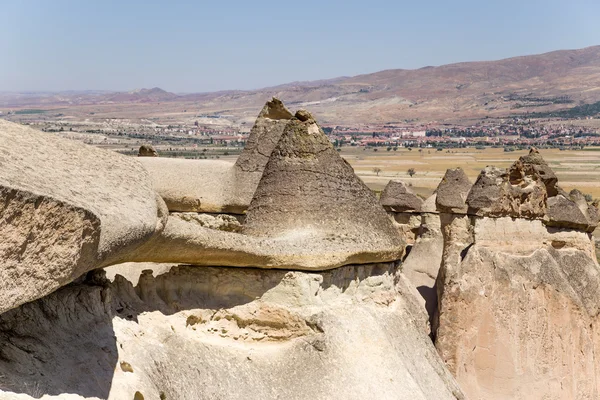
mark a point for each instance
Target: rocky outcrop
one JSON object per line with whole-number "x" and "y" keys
{"x": 218, "y": 186}
{"x": 397, "y": 197}
{"x": 519, "y": 291}
{"x": 65, "y": 209}
{"x": 147, "y": 150}
{"x": 309, "y": 198}
{"x": 518, "y": 192}
{"x": 418, "y": 224}
{"x": 572, "y": 211}
{"x": 452, "y": 192}
{"x": 190, "y": 333}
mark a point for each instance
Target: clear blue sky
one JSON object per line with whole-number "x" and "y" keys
{"x": 191, "y": 46}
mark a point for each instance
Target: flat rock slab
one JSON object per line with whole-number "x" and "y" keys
{"x": 65, "y": 208}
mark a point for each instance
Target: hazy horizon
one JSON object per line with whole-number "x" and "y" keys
{"x": 188, "y": 48}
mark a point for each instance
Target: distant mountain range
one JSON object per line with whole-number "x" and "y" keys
{"x": 538, "y": 83}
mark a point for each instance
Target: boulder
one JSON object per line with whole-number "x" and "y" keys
{"x": 572, "y": 212}
{"x": 147, "y": 150}
{"x": 213, "y": 333}
{"x": 452, "y": 191}
{"x": 218, "y": 186}
{"x": 66, "y": 208}
{"x": 397, "y": 197}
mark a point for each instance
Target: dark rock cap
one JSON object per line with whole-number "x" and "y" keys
{"x": 537, "y": 162}
{"x": 452, "y": 191}
{"x": 572, "y": 212}
{"x": 264, "y": 136}
{"x": 517, "y": 192}
{"x": 398, "y": 198}
{"x": 147, "y": 150}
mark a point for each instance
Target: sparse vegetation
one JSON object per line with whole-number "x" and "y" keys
{"x": 411, "y": 172}
{"x": 377, "y": 170}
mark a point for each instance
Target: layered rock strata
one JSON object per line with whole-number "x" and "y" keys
{"x": 190, "y": 333}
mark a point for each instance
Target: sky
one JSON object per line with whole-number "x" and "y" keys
{"x": 199, "y": 46}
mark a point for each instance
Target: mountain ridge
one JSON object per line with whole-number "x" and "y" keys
{"x": 545, "y": 82}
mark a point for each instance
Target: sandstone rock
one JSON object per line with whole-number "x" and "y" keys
{"x": 310, "y": 212}
{"x": 310, "y": 198}
{"x": 572, "y": 212}
{"x": 451, "y": 193}
{"x": 518, "y": 309}
{"x": 518, "y": 192}
{"x": 213, "y": 333}
{"x": 65, "y": 209}
{"x": 408, "y": 225}
{"x": 422, "y": 263}
{"x": 537, "y": 162}
{"x": 219, "y": 186}
{"x": 429, "y": 205}
{"x": 398, "y": 198}
{"x": 147, "y": 150}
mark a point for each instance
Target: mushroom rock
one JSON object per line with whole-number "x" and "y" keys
{"x": 452, "y": 191}
{"x": 310, "y": 200}
{"x": 422, "y": 264}
{"x": 397, "y": 197}
{"x": 219, "y": 186}
{"x": 60, "y": 217}
{"x": 509, "y": 285}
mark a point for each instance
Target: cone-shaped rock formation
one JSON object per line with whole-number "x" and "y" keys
{"x": 309, "y": 194}
{"x": 219, "y": 186}
{"x": 452, "y": 191}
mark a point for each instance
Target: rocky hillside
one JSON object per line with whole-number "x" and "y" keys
{"x": 536, "y": 83}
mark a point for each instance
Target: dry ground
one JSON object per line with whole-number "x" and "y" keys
{"x": 575, "y": 168}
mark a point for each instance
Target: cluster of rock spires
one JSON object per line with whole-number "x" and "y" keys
{"x": 297, "y": 283}
{"x": 510, "y": 280}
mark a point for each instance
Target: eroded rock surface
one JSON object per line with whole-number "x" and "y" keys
{"x": 452, "y": 192}
{"x": 66, "y": 208}
{"x": 192, "y": 333}
{"x": 518, "y": 309}
{"x": 212, "y": 186}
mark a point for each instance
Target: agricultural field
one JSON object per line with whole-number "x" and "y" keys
{"x": 575, "y": 168}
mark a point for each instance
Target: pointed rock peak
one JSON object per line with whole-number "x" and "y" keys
{"x": 275, "y": 109}
{"x": 452, "y": 191}
{"x": 263, "y": 138}
{"x": 535, "y": 160}
{"x": 309, "y": 197}
{"x": 399, "y": 198}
